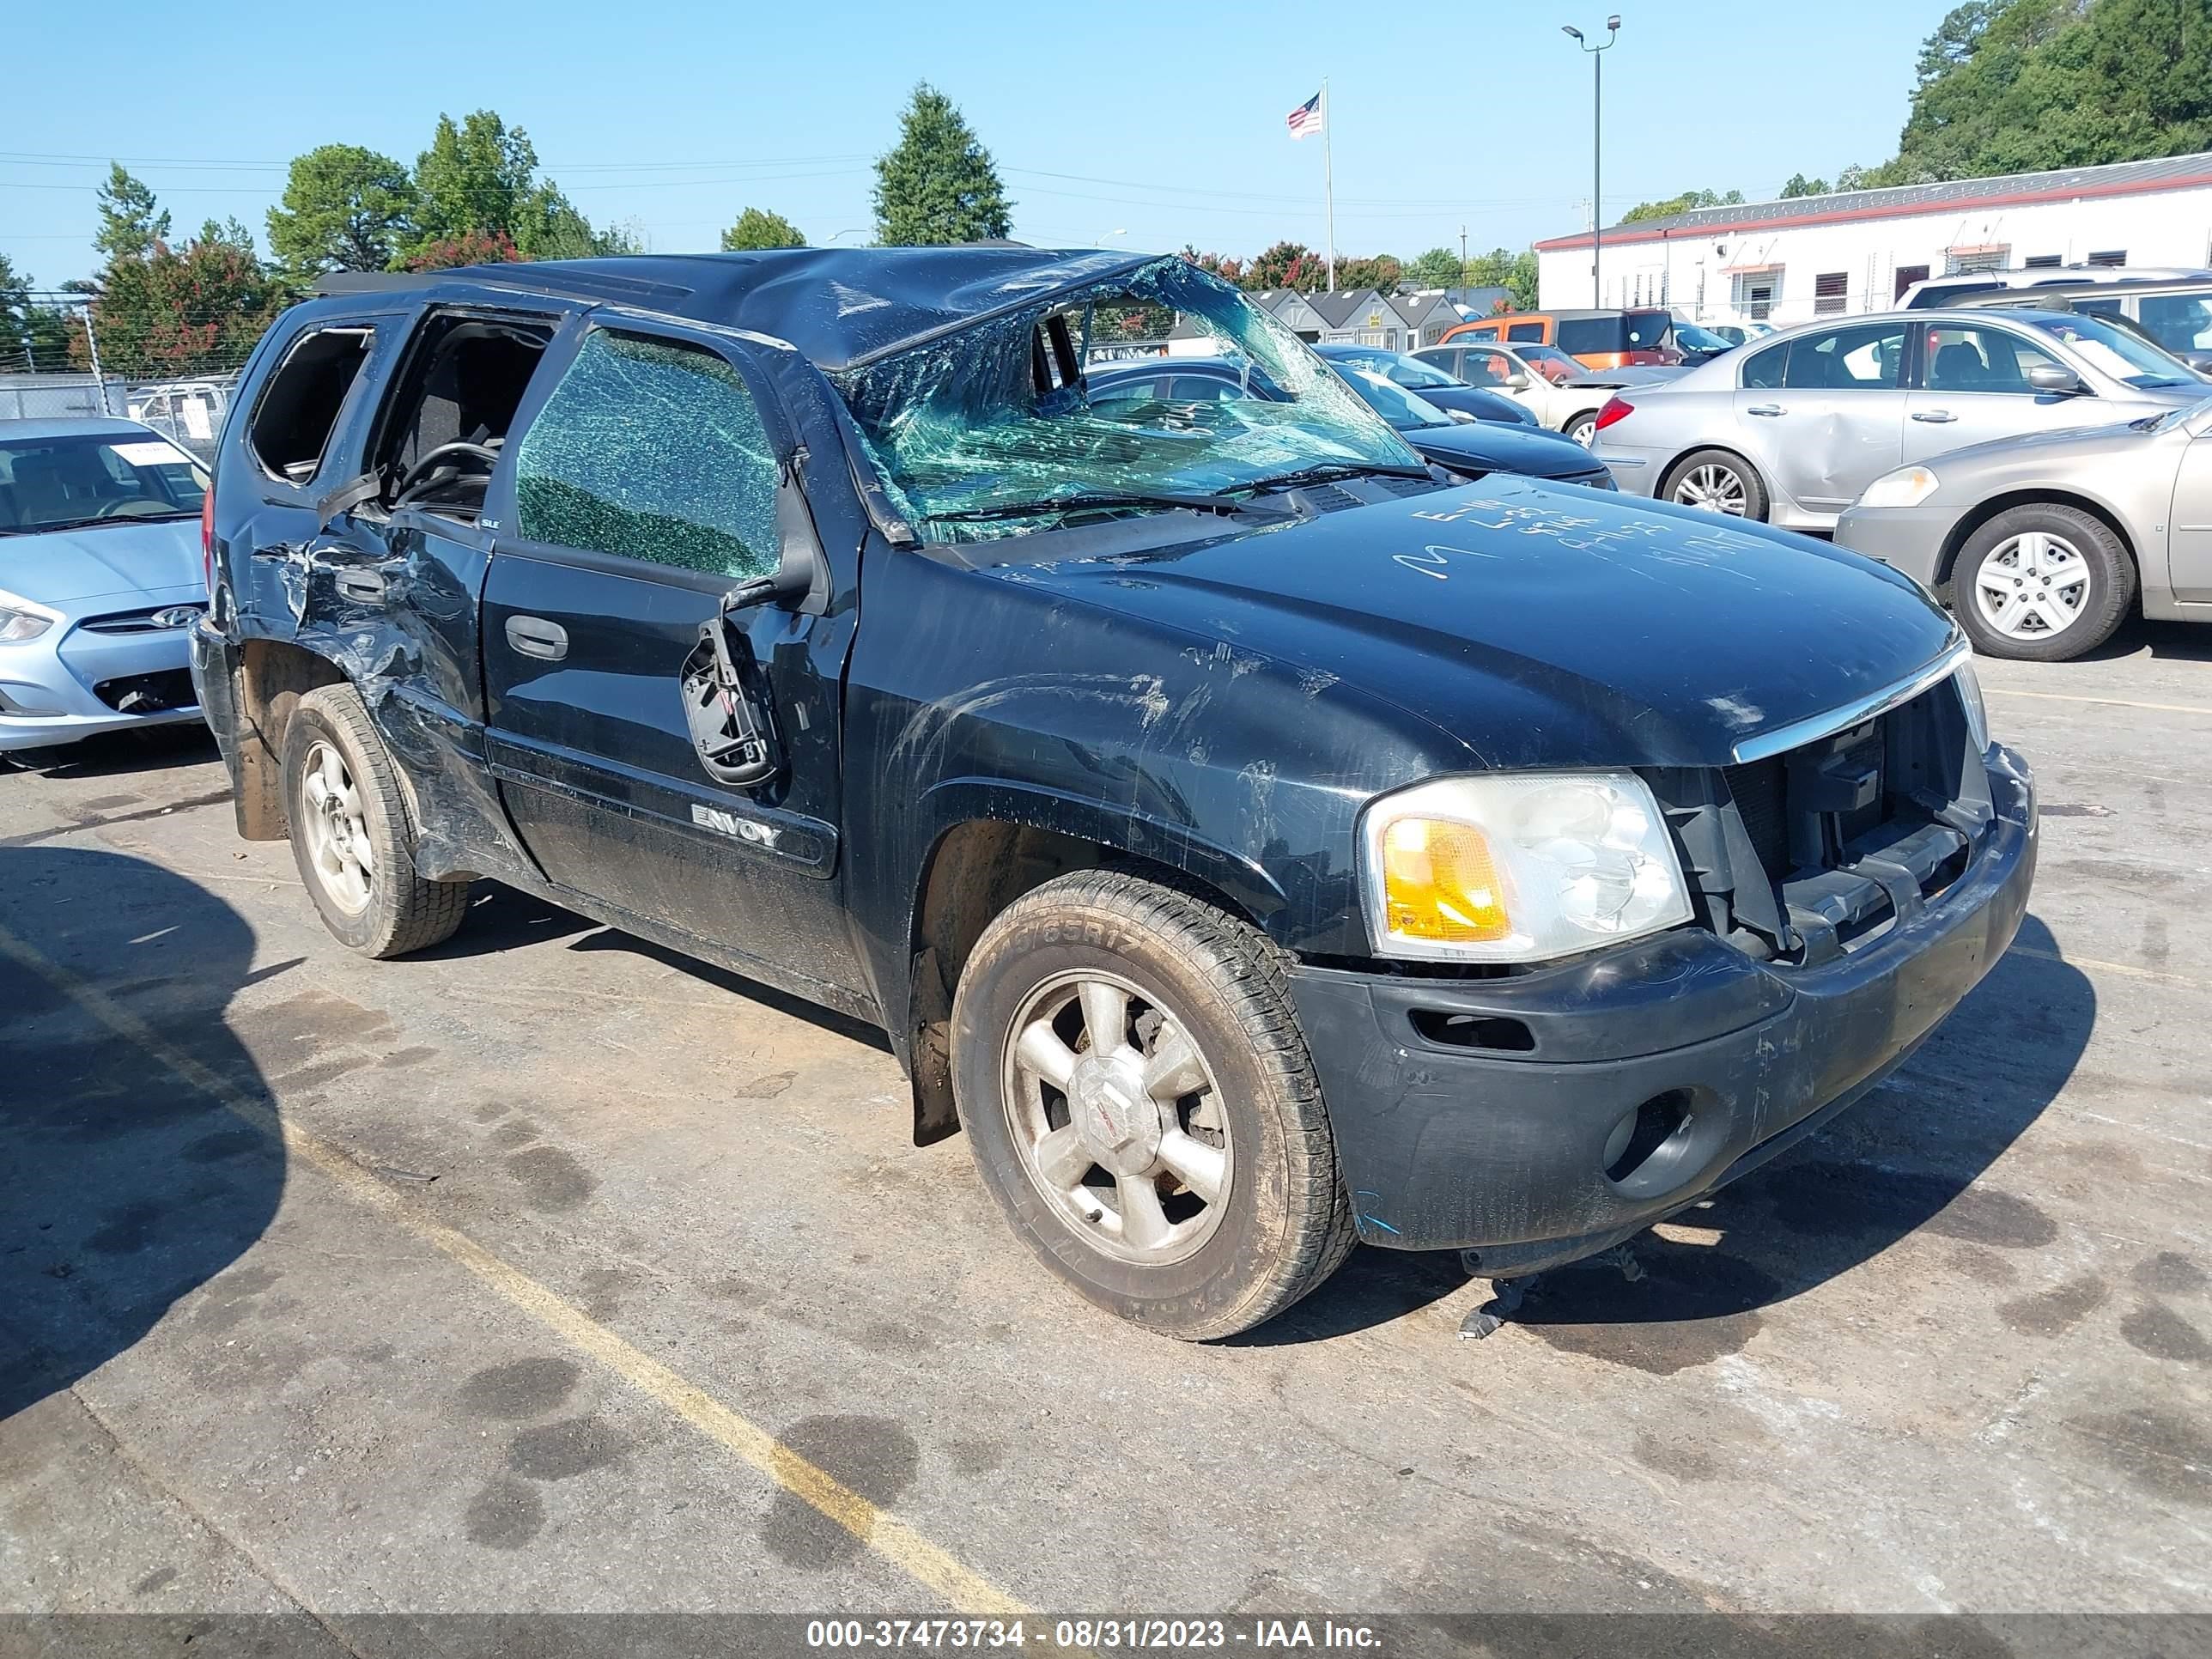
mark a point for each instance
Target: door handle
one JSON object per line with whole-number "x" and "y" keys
{"x": 534, "y": 636}
{"x": 365, "y": 586}
{"x": 1766, "y": 409}
{"x": 1934, "y": 417}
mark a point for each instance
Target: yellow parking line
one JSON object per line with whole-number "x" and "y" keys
{"x": 2109, "y": 702}
{"x": 880, "y": 1530}
{"x": 2129, "y": 968}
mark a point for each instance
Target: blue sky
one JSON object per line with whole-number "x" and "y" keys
{"x": 1164, "y": 123}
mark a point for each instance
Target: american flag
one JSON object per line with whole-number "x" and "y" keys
{"x": 1306, "y": 118}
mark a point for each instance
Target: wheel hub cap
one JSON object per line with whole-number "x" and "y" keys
{"x": 1119, "y": 1122}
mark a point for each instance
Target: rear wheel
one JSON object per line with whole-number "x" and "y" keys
{"x": 1139, "y": 1096}
{"x": 1715, "y": 481}
{"x": 351, "y": 835}
{"x": 1582, "y": 428}
{"x": 2042, "y": 583}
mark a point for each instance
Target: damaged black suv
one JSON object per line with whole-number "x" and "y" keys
{"x": 1257, "y": 838}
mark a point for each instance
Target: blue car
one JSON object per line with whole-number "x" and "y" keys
{"x": 101, "y": 579}
{"x": 1430, "y": 383}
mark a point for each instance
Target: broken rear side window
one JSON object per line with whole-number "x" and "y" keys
{"x": 655, "y": 450}
{"x": 298, "y": 410}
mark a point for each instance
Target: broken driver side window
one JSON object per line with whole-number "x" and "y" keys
{"x": 653, "y": 450}
{"x": 440, "y": 435}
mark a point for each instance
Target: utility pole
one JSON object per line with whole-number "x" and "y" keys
{"x": 1597, "y": 146}
{"x": 1462, "y": 256}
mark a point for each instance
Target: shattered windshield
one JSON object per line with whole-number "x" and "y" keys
{"x": 992, "y": 430}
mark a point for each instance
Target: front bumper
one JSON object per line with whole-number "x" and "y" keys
{"x": 50, "y": 687}
{"x": 1907, "y": 539}
{"x": 1503, "y": 1150}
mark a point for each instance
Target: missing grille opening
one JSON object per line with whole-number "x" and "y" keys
{"x": 1640, "y": 1134}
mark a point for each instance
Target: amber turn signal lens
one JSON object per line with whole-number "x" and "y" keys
{"x": 1440, "y": 883}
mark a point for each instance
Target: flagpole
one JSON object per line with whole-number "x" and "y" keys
{"x": 1328, "y": 178}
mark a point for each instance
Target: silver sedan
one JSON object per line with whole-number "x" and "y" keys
{"x": 2042, "y": 544}
{"x": 1791, "y": 429}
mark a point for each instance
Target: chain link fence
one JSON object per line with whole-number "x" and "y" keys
{"x": 188, "y": 408}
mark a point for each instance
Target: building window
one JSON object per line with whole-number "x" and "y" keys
{"x": 1906, "y": 277}
{"x": 1831, "y": 292}
{"x": 2042, "y": 262}
{"x": 1757, "y": 293}
{"x": 2112, "y": 255}
{"x": 1970, "y": 260}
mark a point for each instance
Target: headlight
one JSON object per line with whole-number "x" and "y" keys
{"x": 1970, "y": 699}
{"x": 1908, "y": 486}
{"x": 1518, "y": 867}
{"x": 17, "y": 625}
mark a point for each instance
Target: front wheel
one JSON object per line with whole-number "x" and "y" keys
{"x": 351, "y": 835}
{"x": 2042, "y": 584}
{"x": 1133, "y": 1080}
{"x": 1715, "y": 481}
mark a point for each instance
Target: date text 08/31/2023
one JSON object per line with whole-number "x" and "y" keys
{"x": 1090, "y": 1633}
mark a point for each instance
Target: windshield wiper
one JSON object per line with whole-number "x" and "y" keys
{"x": 97, "y": 519}
{"x": 1323, "y": 474}
{"x": 1076, "y": 500}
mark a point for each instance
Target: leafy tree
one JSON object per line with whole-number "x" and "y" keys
{"x": 344, "y": 208}
{"x": 1216, "y": 264}
{"x": 1438, "y": 267}
{"x": 1500, "y": 268}
{"x": 2010, "y": 85}
{"x": 758, "y": 228}
{"x": 470, "y": 247}
{"x": 477, "y": 176}
{"x": 1687, "y": 202}
{"x": 130, "y": 223}
{"x": 1799, "y": 185}
{"x": 1383, "y": 271}
{"x": 1286, "y": 264}
{"x": 169, "y": 312}
{"x": 938, "y": 184}
{"x": 32, "y": 336}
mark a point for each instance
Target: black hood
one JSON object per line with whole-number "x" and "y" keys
{"x": 1543, "y": 627}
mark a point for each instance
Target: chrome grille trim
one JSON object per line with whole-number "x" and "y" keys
{"x": 1955, "y": 656}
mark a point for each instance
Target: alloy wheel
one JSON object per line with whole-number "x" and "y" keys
{"x": 1714, "y": 488}
{"x": 336, "y": 829}
{"x": 2033, "y": 585}
{"x": 1117, "y": 1117}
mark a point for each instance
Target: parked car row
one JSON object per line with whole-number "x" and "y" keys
{"x": 2035, "y": 466}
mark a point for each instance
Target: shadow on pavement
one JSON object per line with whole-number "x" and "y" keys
{"x": 122, "y": 1187}
{"x": 1904, "y": 1160}
{"x": 118, "y": 754}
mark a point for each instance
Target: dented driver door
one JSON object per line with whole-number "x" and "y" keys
{"x": 655, "y": 472}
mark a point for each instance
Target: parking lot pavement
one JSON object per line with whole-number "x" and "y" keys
{"x": 548, "y": 1270}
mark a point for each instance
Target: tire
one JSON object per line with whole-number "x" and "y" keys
{"x": 1712, "y": 468}
{"x": 2069, "y": 569}
{"x": 378, "y": 905}
{"x": 1581, "y": 427}
{"x": 1279, "y": 1222}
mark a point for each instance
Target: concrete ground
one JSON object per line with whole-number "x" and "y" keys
{"x": 550, "y": 1272}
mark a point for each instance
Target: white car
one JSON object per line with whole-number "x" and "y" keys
{"x": 1563, "y": 395}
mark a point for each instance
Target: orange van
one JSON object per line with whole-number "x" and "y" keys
{"x": 1596, "y": 339}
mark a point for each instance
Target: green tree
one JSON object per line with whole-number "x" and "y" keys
{"x": 1687, "y": 202}
{"x": 2011, "y": 86}
{"x": 131, "y": 222}
{"x": 938, "y": 184}
{"x": 1215, "y": 265}
{"x": 1799, "y": 185}
{"x": 32, "y": 336}
{"x": 1287, "y": 264}
{"x": 344, "y": 208}
{"x": 477, "y": 176}
{"x": 470, "y": 247}
{"x": 167, "y": 312}
{"x": 1383, "y": 271}
{"x": 758, "y": 228}
{"x": 1501, "y": 268}
{"x": 1438, "y": 267}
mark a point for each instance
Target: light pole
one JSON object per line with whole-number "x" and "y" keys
{"x": 1100, "y": 241}
{"x": 856, "y": 231}
{"x": 1597, "y": 148}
